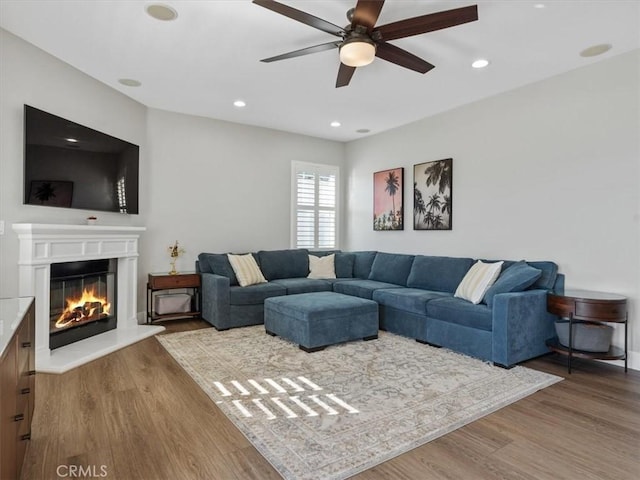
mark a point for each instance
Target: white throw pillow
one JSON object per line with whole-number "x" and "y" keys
{"x": 478, "y": 280}
{"x": 322, "y": 267}
{"x": 246, "y": 269}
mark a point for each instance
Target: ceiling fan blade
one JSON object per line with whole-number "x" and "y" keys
{"x": 427, "y": 23}
{"x": 401, "y": 57}
{"x": 301, "y": 16}
{"x": 303, "y": 51}
{"x": 344, "y": 75}
{"x": 366, "y": 13}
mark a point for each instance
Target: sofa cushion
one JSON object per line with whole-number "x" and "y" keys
{"x": 343, "y": 261}
{"x": 362, "y": 262}
{"x": 407, "y": 299}
{"x": 548, "y": 277}
{"x": 440, "y": 274}
{"x": 461, "y": 312}
{"x": 203, "y": 263}
{"x": 293, "y": 263}
{"x": 516, "y": 278}
{"x": 246, "y": 269}
{"x": 322, "y": 267}
{"x": 478, "y": 280}
{"x": 361, "y": 288}
{"x": 304, "y": 285}
{"x": 391, "y": 268}
{"x": 344, "y": 265}
{"x": 549, "y": 272}
{"x": 255, "y": 294}
{"x": 217, "y": 263}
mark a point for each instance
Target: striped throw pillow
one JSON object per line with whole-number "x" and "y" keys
{"x": 477, "y": 281}
{"x": 246, "y": 269}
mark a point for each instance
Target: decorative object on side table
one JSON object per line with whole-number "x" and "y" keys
{"x": 583, "y": 333}
{"x": 175, "y": 251}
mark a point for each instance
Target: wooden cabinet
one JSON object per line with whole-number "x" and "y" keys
{"x": 17, "y": 382}
{"x": 166, "y": 282}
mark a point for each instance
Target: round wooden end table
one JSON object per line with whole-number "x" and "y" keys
{"x": 584, "y": 306}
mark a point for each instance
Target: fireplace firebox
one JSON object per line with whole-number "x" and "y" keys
{"x": 82, "y": 300}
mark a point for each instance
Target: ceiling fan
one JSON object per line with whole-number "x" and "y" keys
{"x": 361, "y": 40}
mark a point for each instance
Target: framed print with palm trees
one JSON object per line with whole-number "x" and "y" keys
{"x": 388, "y": 212}
{"x": 432, "y": 195}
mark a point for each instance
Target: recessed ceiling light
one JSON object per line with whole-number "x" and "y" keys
{"x": 335, "y": 124}
{"x": 129, "y": 82}
{"x": 72, "y": 140}
{"x": 539, "y": 5}
{"x": 363, "y": 130}
{"x": 161, "y": 12}
{"x": 595, "y": 50}
{"x": 480, "y": 63}
{"x": 240, "y": 103}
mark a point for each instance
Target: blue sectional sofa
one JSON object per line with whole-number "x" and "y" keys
{"x": 415, "y": 294}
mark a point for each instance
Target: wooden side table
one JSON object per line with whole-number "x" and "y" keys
{"x": 583, "y": 306}
{"x": 164, "y": 281}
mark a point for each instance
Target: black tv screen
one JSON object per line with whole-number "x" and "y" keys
{"x": 69, "y": 165}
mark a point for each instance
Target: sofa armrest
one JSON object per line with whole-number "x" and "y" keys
{"x": 215, "y": 300}
{"x": 521, "y": 326}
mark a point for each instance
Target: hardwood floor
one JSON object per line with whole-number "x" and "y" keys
{"x": 135, "y": 414}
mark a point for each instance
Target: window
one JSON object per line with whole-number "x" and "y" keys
{"x": 314, "y": 201}
{"x": 122, "y": 198}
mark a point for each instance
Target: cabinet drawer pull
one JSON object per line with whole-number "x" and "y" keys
{"x": 26, "y": 436}
{"x": 26, "y": 344}
{"x": 32, "y": 372}
{"x": 24, "y": 391}
{"x": 18, "y": 417}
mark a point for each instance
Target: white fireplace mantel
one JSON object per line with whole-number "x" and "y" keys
{"x": 42, "y": 245}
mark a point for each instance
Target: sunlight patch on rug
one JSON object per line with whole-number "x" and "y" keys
{"x": 238, "y": 395}
{"x": 337, "y": 412}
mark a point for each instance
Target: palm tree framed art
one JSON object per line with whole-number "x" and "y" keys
{"x": 432, "y": 195}
{"x": 388, "y": 211}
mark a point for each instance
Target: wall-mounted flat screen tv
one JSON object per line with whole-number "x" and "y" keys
{"x": 69, "y": 165}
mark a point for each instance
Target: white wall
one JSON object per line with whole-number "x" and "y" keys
{"x": 29, "y": 75}
{"x": 550, "y": 171}
{"x": 218, "y": 186}
{"x": 214, "y": 186}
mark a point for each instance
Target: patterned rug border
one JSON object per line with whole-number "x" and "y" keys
{"x": 506, "y": 398}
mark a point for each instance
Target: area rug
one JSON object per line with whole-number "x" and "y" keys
{"x": 337, "y": 412}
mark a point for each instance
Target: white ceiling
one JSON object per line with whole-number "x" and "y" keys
{"x": 209, "y": 56}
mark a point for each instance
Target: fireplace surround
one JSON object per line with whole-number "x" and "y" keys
{"x": 45, "y": 245}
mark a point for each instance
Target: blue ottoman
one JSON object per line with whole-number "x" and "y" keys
{"x": 319, "y": 319}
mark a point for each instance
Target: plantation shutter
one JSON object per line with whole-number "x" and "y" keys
{"x": 314, "y": 205}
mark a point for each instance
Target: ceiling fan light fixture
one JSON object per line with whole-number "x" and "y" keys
{"x": 357, "y": 52}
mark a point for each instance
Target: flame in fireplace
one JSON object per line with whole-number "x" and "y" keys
{"x": 87, "y": 307}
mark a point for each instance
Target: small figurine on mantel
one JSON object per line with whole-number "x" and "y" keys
{"x": 175, "y": 251}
